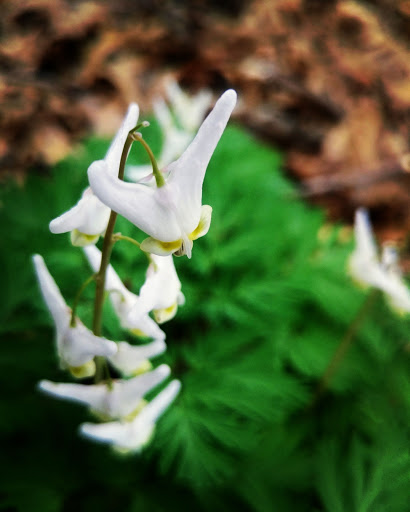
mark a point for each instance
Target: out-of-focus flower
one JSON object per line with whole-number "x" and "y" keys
{"x": 134, "y": 359}
{"x": 178, "y": 122}
{"x": 133, "y": 435}
{"x": 171, "y": 214}
{"x": 366, "y": 267}
{"x": 161, "y": 292}
{"x": 77, "y": 345}
{"x": 127, "y": 305}
{"x": 88, "y": 219}
{"x": 121, "y": 400}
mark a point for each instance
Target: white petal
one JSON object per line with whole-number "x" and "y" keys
{"x": 89, "y": 216}
{"x": 51, "y": 294}
{"x": 80, "y": 345}
{"x": 148, "y": 208}
{"x": 89, "y": 395}
{"x": 152, "y": 246}
{"x": 122, "y": 435}
{"x": 163, "y": 115}
{"x": 135, "y": 434}
{"x": 114, "y": 152}
{"x": 129, "y": 358}
{"x": 162, "y": 285}
{"x": 188, "y": 172}
{"x": 204, "y": 223}
{"x": 77, "y": 345}
{"x": 160, "y": 403}
{"x": 189, "y": 110}
{"x": 118, "y": 402}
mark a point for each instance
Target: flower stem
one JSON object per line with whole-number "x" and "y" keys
{"x": 345, "y": 344}
{"x": 155, "y": 170}
{"x": 78, "y": 296}
{"x": 118, "y": 236}
{"x": 105, "y": 260}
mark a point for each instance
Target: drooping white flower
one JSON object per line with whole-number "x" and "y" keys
{"x": 172, "y": 215}
{"x": 88, "y": 219}
{"x": 134, "y": 359}
{"x": 127, "y": 305}
{"x": 120, "y": 401}
{"x": 161, "y": 292}
{"x": 76, "y": 346}
{"x": 178, "y": 122}
{"x": 368, "y": 269}
{"x": 133, "y": 435}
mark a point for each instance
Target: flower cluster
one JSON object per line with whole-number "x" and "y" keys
{"x": 171, "y": 213}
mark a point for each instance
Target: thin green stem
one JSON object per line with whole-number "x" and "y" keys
{"x": 78, "y": 297}
{"x": 159, "y": 178}
{"x": 345, "y": 343}
{"x": 105, "y": 260}
{"x": 118, "y": 237}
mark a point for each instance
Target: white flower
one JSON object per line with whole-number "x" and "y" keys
{"x": 120, "y": 401}
{"x": 161, "y": 292}
{"x": 171, "y": 214}
{"x": 88, "y": 219}
{"x": 133, "y": 435}
{"x": 134, "y": 359}
{"x": 367, "y": 269}
{"x": 189, "y": 110}
{"x": 76, "y": 346}
{"x": 126, "y": 304}
{"x": 178, "y": 124}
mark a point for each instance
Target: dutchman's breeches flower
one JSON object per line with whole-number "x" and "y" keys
{"x": 171, "y": 214}
{"x": 88, "y": 219}
{"x": 121, "y": 400}
{"x": 161, "y": 292}
{"x": 76, "y": 345}
{"x": 127, "y": 305}
{"x": 132, "y": 436}
{"x": 368, "y": 269}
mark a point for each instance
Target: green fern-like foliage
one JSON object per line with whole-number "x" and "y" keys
{"x": 268, "y": 301}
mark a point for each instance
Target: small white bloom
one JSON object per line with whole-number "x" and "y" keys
{"x": 161, "y": 292}
{"x": 178, "y": 124}
{"x": 368, "y": 269}
{"x": 120, "y": 401}
{"x": 133, "y": 435}
{"x": 76, "y": 346}
{"x": 132, "y": 360}
{"x": 189, "y": 110}
{"x": 127, "y": 305}
{"x": 172, "y": 214}
{"x": 88, "y": 219}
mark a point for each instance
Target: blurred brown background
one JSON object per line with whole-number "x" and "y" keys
{"x": 327, "y": 81}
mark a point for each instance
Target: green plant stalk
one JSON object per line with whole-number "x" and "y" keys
{"x": 78, "y": 297}
{"x": 159, "y": 179}
{"x": 105, "y": 260}
{"x": 345, "y": 343}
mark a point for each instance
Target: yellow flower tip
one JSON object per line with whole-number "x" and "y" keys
{"x": 165, "y": 314}
{"x": 204, "y": 223}
{"x": 85, "y": 370}
{"x": 144, "y": 367}
{"x": 138, "y": 332}
{"x": 132, "y": 415}
{"x": 79, "y": 239}
{"x": 153, "y": 246}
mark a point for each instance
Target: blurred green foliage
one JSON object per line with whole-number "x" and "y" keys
{"x": 268, "y": 301}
